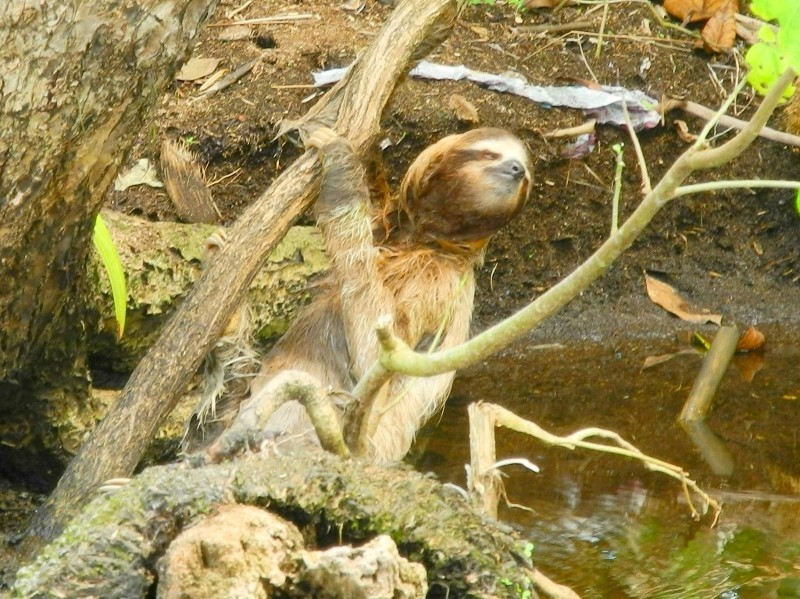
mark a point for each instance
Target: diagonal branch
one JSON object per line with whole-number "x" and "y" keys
{"x": 116, "y": 446}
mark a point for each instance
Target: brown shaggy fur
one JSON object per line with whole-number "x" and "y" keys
{"x": 417, "y": 268}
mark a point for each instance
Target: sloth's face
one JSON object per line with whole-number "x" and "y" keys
{"x": 471, "y": 185}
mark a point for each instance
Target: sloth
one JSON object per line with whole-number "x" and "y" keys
{"x": 412, "y": 258}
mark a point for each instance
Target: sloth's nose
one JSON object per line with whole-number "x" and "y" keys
{"x": 514, "y": 168}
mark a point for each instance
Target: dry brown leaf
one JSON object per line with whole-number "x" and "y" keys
{"x": 720, "y": 31}
{"x": 464, "y": 109}
{"x": 669, "y": 299}
{"x": 752, "y": 339}
{"x": 683, "y": 132}
{"x": 197, "y": 68}
{"x": 690, "y": 11}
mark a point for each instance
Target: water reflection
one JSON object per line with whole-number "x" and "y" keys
{"x": 606, "y": 526}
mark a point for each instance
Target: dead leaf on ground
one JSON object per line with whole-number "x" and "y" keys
{"x": 720, "y": 31}
{"x": 683, "y": 132}
{"x": 751, "y": 340}
{"x": 669, "y": 299}
{"x": 690, "y": 11}
{"x": 197, "y": 68}
{"x": 464, "y": 110}
{"x": 141, "y": 173}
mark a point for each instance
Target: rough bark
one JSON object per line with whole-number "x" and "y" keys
{"x": 112, "y": 548}
{"x": 78, "y": 80}
{"x": 116, "y": 446}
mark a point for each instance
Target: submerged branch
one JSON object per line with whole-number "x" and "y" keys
{"x": 499, "y": 416}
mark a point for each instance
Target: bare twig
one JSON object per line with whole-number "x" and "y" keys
{"x": 554, "y": 27}
{"x": 646, "y": 186}
{"x": 706, "y": 113}
{"x": 619, "y": 165}
{"x": 736, "y": 184}
{"x": 599, "y": 49}
{"x": 587, "y": 127}
{"x": 274, "y": 20}
{"x": 551, "y": 588}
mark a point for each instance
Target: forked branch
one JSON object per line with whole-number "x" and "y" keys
{"x": 486, "y": 416}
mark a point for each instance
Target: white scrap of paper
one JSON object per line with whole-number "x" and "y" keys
{"x": 604, "y": 104}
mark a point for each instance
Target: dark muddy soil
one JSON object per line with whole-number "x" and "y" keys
{"x": 736, "y": 252}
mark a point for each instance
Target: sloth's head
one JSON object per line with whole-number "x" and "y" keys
{"x": 464, "y": 188}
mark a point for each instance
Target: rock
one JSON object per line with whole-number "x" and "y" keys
{"x": 239, "y": 552}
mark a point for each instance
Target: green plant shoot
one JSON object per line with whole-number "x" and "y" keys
{"x": 113, "y": 266}
{"x": 775, "y": 52}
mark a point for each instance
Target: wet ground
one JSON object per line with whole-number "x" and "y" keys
{"x": 605, "y": 525}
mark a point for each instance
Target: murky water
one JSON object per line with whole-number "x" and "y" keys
{"x": 603, "y": 524}
{"x": 606, "y": 526}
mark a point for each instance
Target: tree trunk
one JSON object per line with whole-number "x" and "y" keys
{"x": 161, "y": 261}
{"x": 355, "y": 106}
{"x": 77, "y": 80}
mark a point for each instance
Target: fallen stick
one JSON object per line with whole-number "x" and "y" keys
{"x": 714, "y": 367}
{"x": 706, "y": 114}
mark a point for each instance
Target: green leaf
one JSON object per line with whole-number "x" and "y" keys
{"x": 766, "y": 65}
{"x": 797, "y": 202}
{"x": 764, "y": 9}
{"x": 780, "y": 10}
{"x": 113, "y": 266}
{"x": 774, "y": 54}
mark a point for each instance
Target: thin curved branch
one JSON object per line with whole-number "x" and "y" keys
{"x": 398, "y": 357}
